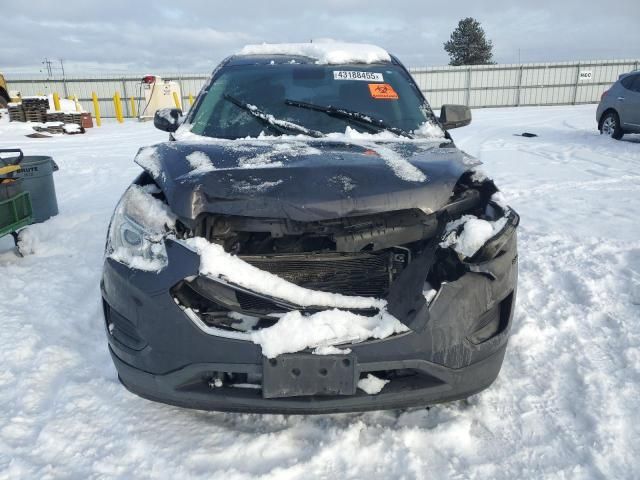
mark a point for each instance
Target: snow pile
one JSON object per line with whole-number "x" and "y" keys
{"x": 215, "y": 262}
{"x": 200, "y": 163}
{"x": 66, "y": 105}
{"x": 331, "y": 53}
{"x": 331, "y": 350}
{"x": 294, "y": 331}
{"x": 71, "y": 128}
{"x": 148, "y": 159}
{"x": 429, "y": 130}
{"x": 371, "y": 384}
{"x": 429, "y": 292}
{"x": 469, "y": 233}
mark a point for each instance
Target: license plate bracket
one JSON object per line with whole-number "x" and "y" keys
{"x": 302, "y": 374}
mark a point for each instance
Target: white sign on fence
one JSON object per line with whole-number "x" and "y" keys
{"x": 585, "y": 75}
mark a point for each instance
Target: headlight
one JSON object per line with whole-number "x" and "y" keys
{"x": 138, "y": 228}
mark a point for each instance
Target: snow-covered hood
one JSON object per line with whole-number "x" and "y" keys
{"x": 303, "y": 180}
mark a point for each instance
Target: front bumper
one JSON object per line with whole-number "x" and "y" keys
{"x": 162, "y": 355}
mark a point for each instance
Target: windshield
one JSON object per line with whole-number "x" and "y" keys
{"x": 249, "y": 100}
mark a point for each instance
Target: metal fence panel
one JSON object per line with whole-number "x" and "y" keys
{"x": 476, "y": 86}
{"x": 520, "y": 84}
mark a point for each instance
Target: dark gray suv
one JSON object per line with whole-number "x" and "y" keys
{"x": 309, "y": 235}
{"x": 619, "y": 109}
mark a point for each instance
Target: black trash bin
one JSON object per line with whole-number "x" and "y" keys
{"x": 36, "y": 173}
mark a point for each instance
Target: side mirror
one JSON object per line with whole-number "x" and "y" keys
{"x": 167, "y": 119}
{"x": 455, "y": 116}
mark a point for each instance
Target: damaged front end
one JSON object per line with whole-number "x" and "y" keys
{"x": 402, "y": 256}
{"x": 226, "y": 311}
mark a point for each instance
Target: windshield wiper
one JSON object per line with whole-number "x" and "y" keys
{"x": 277, "y": 125}
{"x": 371, "y": 124}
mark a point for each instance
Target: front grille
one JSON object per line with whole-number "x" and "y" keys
{"x": 363, "y": 274}
{"x": 254, "y": 303}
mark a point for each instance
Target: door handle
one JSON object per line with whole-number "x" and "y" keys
{"x": 620, "y": 99}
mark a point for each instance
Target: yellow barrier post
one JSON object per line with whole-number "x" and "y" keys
{"x": 56, "y": 101}
{"x": 133, "y": 107}
{"x": 117, "y": 103}
{"x": 190, "y": 99}
{"x": 96, "y": 108}
{"x": 176, "y": 100}
{"x": 77, "y": 103}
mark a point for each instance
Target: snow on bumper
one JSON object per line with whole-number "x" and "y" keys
{"x": 294, "y": 331}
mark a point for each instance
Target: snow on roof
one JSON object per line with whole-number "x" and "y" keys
{"x": 324, "y": 52}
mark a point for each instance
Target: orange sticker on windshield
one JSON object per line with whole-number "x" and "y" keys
{"x": 382, "y": 91}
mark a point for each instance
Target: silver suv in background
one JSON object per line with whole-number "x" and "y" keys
{"x": 619, "y": 109}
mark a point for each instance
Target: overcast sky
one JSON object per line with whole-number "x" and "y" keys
{"x": 194, "y": 35}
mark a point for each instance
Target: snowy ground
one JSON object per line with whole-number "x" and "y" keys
{"x": 564, "y": 405}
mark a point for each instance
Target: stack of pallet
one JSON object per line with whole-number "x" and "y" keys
{"x": 16, "y": 112}
{"x": 53, "y": 116}
{"x": 35, "y": 109}
{"x": 72, "y": 117}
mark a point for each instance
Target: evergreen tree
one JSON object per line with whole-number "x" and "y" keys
{"x": 468, "y": 45}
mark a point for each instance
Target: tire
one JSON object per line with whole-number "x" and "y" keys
{"x": 610, "y": 126}
{"x": 3, "y": 102}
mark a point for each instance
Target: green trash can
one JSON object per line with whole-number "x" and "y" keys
{"x": 36, "y": 173}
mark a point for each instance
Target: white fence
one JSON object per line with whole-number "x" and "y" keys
{"x": 476, "y": 86}
{"x": 566, "y": 83}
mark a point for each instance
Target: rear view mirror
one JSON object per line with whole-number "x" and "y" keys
{"x": 454, "y": 116}
{"x": 167, "y": 119}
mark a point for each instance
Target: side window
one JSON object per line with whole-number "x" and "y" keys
{"x": 632, "y": 82}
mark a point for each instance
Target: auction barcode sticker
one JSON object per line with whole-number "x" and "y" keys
{"x": 352, "y": 75}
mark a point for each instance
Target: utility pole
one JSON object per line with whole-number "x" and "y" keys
{"x": 47, "y": 64}
{"x": 64, "y": 79}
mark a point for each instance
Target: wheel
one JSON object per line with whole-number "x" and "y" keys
{"x": 3, "y": 102}
{"x": 610, "y": 125}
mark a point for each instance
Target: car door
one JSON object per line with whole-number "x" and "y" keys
{"x": 628, "y": 101}
{"x": 634, "y": 104}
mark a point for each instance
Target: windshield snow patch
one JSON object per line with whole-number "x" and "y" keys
{"x": 325, "y": 53}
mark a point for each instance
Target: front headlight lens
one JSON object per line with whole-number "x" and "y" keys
{"x": 138, "y": 228}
